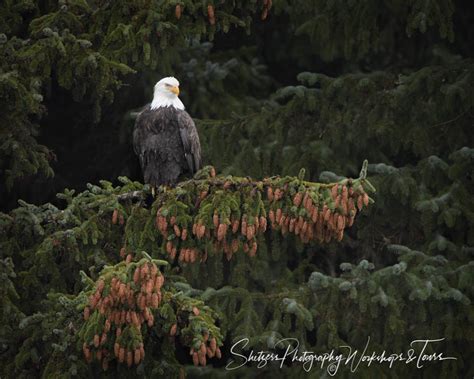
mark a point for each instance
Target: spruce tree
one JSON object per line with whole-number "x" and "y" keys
{"x": 282, "y": 234}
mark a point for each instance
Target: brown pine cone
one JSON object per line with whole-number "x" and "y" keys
{"x": 129, "y": 358}
{"x": 177, "y": 11}
{"x": 360, "y": 202}
{"x": 114, "y": 216}
{"x": 212, "y": 19}
{"x": 297, "y": 199}
{"x": 235, "y": 226}
{"x": 263, "y": 224}
{"x": 195, "y": 359}
{"x": 137, "y": 356}
{"x": 270, "y": 194}
{"x": 365, "y": 199}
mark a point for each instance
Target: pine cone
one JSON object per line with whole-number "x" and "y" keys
{"x": 365, "y": 199}
{"x": 122, "y": 354}
{"x": 345, "y": 194}
{"x": 271, "y": 216}
{"x": 209, "y": 352}
{"x": 297, "y": 199}
{"x": 263, "y": 224}
{"x": 103, "y": 338}
{"x": 137, "y": 356}
{"x": 250, "y": 232}
{"x": 253, "y": 249}
{"x": 134, "y": 319}
{"x": 292, "y": 225}
{"x": 221, "y": 232}
{"x": 360, "y": 202}
{"x": 212, "y": 21}
{"x": 234, "y": 246}
{"x": 195, "y": 359}
{"x": 177, "y": 11}
{"x": 173, "y": 253}
{"x": 107, "y": 325}
{"x": 270, "y": 194}
{"x": 202, "y": 358}
{"x": 235, "y": 226}
{"x": 278, "y": 215}
{"x": 96, "y": 340}
{"x": 116, "y": 349}
{"x": 340, "y": 222}
{"x": 244, "y": 227}
{"x": 142, "y": 352}
{"x": 213, "y": 345}
{"x": 314, "y": 215}
{"x": 136, "y": 274}
{"x": 173, "y": 330}
{"x": 86, "y": 351}
{"x": 114, "y": 216}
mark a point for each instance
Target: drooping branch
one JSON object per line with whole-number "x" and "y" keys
{"x": 229, "y": 214}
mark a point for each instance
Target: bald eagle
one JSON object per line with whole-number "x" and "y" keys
{"x": 165, "y": 137}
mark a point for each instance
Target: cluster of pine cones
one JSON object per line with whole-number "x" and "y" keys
{"x": 119, "y": 308}
{"x": 310, "y": 211}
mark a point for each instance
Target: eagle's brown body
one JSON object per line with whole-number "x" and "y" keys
{"x": 167, "y": 144}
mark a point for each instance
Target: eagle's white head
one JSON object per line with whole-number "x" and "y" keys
{"x": 166, "y": 94}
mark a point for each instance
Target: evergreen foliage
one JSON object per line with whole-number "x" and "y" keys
{"x": 86, "y": 48}
{"x": 276, "y": 86}
{"x": 355, "y": 30}
{"x": 126, "y": 307}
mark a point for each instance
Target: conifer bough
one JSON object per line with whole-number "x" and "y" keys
{"x": 218, "y": 214}
{"x": 121, "y": 306}
{"x": 120, "y": 303}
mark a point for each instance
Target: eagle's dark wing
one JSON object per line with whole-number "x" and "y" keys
{"x": 190, "y": 139}
{"x": 139, "y": 135}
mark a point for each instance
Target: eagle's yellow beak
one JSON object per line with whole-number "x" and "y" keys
{"x": 175, "y": 90}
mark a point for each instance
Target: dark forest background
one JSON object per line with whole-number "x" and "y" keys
{"x": 237, "y": 72}
{"x": 274, "y": 87}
